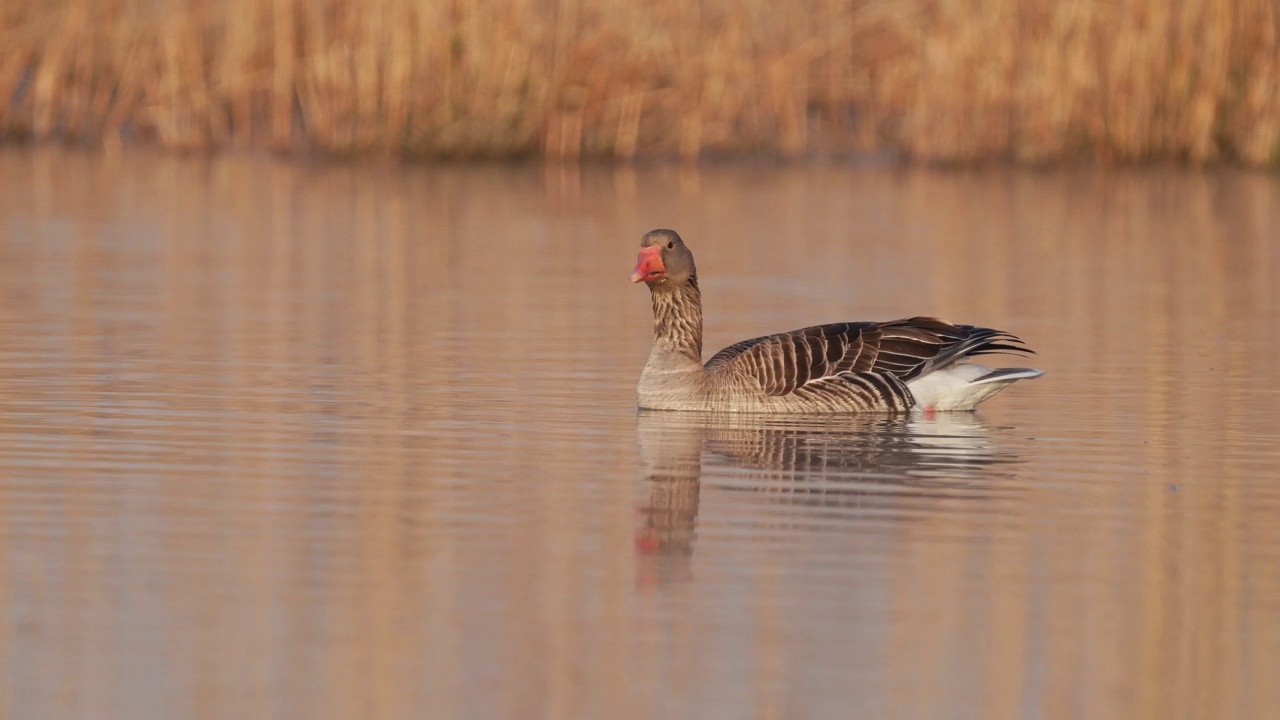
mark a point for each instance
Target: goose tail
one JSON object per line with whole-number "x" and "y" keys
{"x": 962, "y": 387}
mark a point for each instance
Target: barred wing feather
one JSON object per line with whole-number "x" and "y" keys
{"x": 880, "y": 356}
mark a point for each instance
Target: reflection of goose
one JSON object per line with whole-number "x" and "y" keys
{"x": 819, "y": 460}
{"x": 845, "y": 367}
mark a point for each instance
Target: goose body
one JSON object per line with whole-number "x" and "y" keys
{"x": 894, "y": 366}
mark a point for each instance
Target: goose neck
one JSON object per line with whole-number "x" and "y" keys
{"x": 677, "y": 320}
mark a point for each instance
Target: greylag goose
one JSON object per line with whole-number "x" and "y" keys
{"x": 894, "y": 366}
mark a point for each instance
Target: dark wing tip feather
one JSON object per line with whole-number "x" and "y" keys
{"x": 996, "y": 348}
{"x": 928, "y": 344}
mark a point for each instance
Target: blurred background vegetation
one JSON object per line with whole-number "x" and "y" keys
{"x": 949, "y": 81}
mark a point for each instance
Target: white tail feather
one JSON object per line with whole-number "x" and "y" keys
{"x": 962, "y": 387}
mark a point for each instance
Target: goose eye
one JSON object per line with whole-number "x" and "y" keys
{"x": 670, "y": 244}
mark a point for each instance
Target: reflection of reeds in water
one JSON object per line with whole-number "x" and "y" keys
{"x": 299, "y": 506}
{"x": 937, "y": 80}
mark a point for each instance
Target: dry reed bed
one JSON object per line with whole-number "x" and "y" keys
{"x": 938, "y": 80}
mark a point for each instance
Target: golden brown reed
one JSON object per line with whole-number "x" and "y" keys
{"x": 937, "y": 80}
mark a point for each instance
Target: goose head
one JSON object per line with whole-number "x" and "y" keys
{"x": 664, "y": 259}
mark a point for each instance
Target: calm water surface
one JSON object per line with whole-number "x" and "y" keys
{"x": 310, "y": 441}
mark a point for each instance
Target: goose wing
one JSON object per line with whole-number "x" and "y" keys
{"x": 883, "y": 356}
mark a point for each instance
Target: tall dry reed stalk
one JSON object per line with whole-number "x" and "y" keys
{"x": 939, "y": 80}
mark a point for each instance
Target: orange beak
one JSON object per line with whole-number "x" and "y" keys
{"x": 649, "y": 267}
